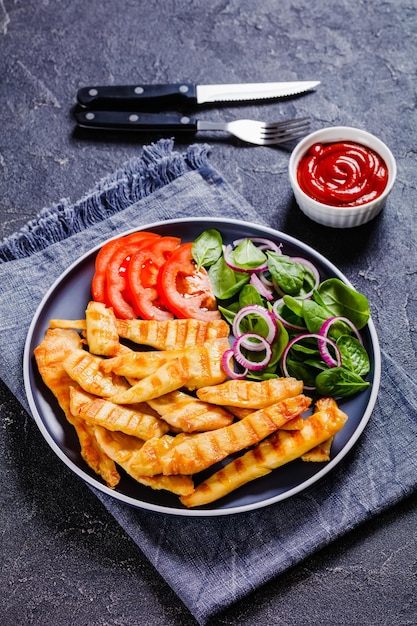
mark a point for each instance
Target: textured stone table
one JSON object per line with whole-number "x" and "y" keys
{"x": 64, "y": 559}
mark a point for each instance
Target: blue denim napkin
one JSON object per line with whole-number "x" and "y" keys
{"x": 209, "y": 562}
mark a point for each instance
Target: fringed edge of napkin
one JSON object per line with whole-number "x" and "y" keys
{"x": 136, "y": 179}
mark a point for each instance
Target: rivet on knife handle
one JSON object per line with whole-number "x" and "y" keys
{"x": 124, "y": 120}
{"x": 137, "y": 96}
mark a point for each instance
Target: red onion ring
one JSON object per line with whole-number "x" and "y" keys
{"x": 227, "y": 356}
{"x": 245, "y": 361}
{"x": 261, "y": 312}
{"x": 324, "y": 330}
{"x": 283, "y": 321}
{"x": 264, "y": 280}
{"x": 313, "y": 270}
{"x": 321, "y": 341}
{"x": 262, "y": 289}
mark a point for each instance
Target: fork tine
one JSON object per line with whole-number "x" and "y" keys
{"x": 283, "y": 132}
{"x": 300, "y": 121}
{"x": 284, "y": 139}
{"x": 287, "y": 137}
{"x": 286, "y": 133}
{"x": 280, "y": 130}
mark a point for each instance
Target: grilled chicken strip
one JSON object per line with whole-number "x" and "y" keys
{"x": 274, "y": 451}
{"x": 240, "y": 413}
{"x": 194, "y": 368}
{"x": 172, "y": 334}
{"x": 251, "y": 394}
{"x": 189, "y": 414}
{"x": 141, "y": 364}
{"x": 56, "y": 346}
{"x": 114, "y": 417}
{"x": 170, "y": 376}
{"x": 162, "y": 335}
{"x": 84, "y": 368}
{"x": 320, "y": 453}
{"x": 188, "y": 454}
{"x": 123, "y": 448}
{"x": 101, "y": 332}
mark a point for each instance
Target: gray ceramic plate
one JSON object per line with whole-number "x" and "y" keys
{"x": 68, "y": 297}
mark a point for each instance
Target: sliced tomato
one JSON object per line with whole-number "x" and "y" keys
{"x": 144, "y": 267}
{"x": 117, "y": 292}
{"x": 98, "y": 285}
{"x": 184, "y": 290}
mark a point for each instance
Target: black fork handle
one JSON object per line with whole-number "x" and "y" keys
{"x": 125, "y": 120}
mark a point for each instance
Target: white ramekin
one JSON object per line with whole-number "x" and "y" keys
{"x": 336, "y": 216}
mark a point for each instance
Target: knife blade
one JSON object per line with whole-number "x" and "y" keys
{"x": 137, "y": 96}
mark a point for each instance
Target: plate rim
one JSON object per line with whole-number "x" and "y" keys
{"x": 138, "y": 504}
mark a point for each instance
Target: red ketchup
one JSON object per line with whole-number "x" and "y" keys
{"x": 342, "y": 174}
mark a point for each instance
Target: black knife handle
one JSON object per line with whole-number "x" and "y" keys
{"x": 137, "y": 96}
{"x": 125, "y": 120}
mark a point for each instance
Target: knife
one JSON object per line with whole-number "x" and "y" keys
{"x": 137, "y": 96}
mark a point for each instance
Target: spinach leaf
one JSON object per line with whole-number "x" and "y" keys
{"x": 304, "y": 349}
{"x": 273, "y": 369}
{"x": 288, "y": 274}
{"x": 317, "y": 362}
{"x": 344, "y": 301}
{"x": 314, "y": 315}
{"x": 288, "y": 313}
{"x": 280, "y": 342}
{"x": 338, "y": 329}
{"x": 294, "y": 304}
{"x": 317, "y": 298}
{"x": 265, "y": 374}
{"x": 229, "y": 313}
{"x": 301, "y": 371}
{"x": 225, "y": 282}
{"x": 309, "y": 280}
{"x": 207, "y": 248}
{"x": 247, "y": 255}
{"x": 354, "y": 355}
{"x": 250, "y": 295}
{"x": 339, "y": 382}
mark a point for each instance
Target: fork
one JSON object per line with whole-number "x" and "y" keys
{"x": 250, "y": 131}
{"x": 261, "y": 133}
